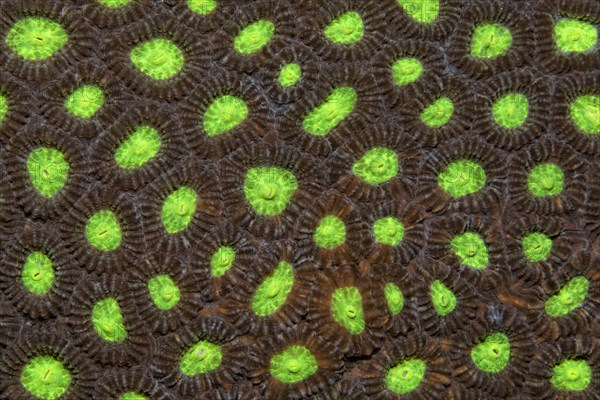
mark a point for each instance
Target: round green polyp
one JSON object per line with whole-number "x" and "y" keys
{"x": 294, "y": 364}
{"x": 202, "y": 7}
{"x": 546, "y": 180}
{"x": 377, "y": 165}
{"x": 388, "y": 230}
{"x": 348, "y": 28}
{"x": 471, "y": 250}
{"x": 406, "y": 70}
{"x": 224, "y": 114}
{"x": 444, "y": 301}
{"x": 139, "y": 148}
{"x": 48, "y": 170}
{"x": 163, "y": 291}
{"x": 273, "y": 291}
{"x": 201, "y": 358}
{"x": 492, "y": 354}
{"x": 536, "y": 246}
{"x": 178, "y": 209}
{"x": 35, "y": 38}
{"x": 571, "y": 375}
{"x": 490, "y": 40}
{"x": 438, "y": 113}
{"x": 45, "y": 377}
{"x": 569, "y": 297}
{"x": 336, "y": 107}
{"x": 159, "y": 58}
{"x": 330, "y": 233}
{"x": 131, "y": 396}
{"x": 462, "y": 177}
{"x": 108, "y": 321}
{"x": 394, "y": 297}
{"x": 222, "y": 261}
{"x": 114, "y": 3}
{"x": 511, "y": 110}
{"x": 103, "y": 231}
{"x": 423, "y": 11}
{"x": 347, "y": 310}
{"x": 573, "y": 36}
{"x": 585, "y": 113}
{"x": 38, "y": 274}
{"x": 405, "y": 376}
{"x": 290, "y": 74}
{"x": 85, "y": 101}
{"x": 254, "y": 37}
{"x": 269, "y": 189}
{"x": 3, "y": 107}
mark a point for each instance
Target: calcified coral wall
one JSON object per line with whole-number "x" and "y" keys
{"x": 311, "y": 199}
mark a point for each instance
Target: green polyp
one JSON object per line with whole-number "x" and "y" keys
{"x": 571, "y": 375}
{"x": 438, "y": 113}
{"x": 254, "y": 37}
{"x": 406, "y": 70}
{"x": 492, "y": 354}
{"x": 511, "y": 110}
{"x": 274, "y": 290}
{"x": 336, "y": 107}
{"x": 330, "y": 233}
{"x": 85, "y": 101}
{"x": 423, "y": 11}
{"x": 201, "y": 358}
{"x": 139, "y": 148}
{"x": 347, "y": 310}
{"x": 462, "y": 177}
{"x": 131, "y": 396}
{"x": 103, "y": 231}
{"x": 490, "y": 40}
{"x": 202, "y": 7}
{"x": 108, "y": 320}
{"x": 38, "y": 274}
{"x": 178, "y": 209}
{"x": 585, "y": 113}
{"x": 290, "y": 74}
{"x": 388, "y": 230}
{"x": 222, "y": 261}
{"x": 568, "y": 298}
{"x": 471, "y": 250}
{"x": 536, "y": 246}
{"x": 35, "y": 38}
{"x": 546, "y": 180}
{"x": 444, "y": 301}
{"x": 3, "y": 107}
{"x": 114, "y": 3}
{"x": 48, "y": 170}
{"x": 573, "y": 36}
{"x": 45, "y": 377}
{"x": 294, "y": 364}
{"x": 224, "y": 114}
{"x": 269, "y": 189}
{"x": 348, "y": 28}
{"x": 159, "y": 58}
{"x": 394, "y": 297}
{"x": 377, "y": 165}
{"x": 164, "y": 292}
{"x": 405, "y": 376}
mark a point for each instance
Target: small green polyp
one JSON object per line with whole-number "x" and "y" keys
{"x": 438, "y": 113}
{"x": 224, "y": 114}
{"x": 377, "y": 165}
{"x": 423, "y": 11}
{"x": 159, "y": 58}
{"x": 108, "y": 320}
{"x": 269, "y": 189}
{"x": 471, "y": 250}
{"x": 45, "y": 377}
{"x": 572, "y": 375}
{"x": 546, "y": 180}
{"x": 114, "y": 3}
{"x": 163, "y": 291}
{"x": 511, "y": 110}
{"x": 336, "y": 107}
{"x": 536, "y": 246}
{"x": 406, "y": 70}
{"x": 139, "y": 148}
{"x": 492, "y": 354}
{"x": 202, "y": 7}
{"x": 3, "y": 107}
{"x": 490, "y": 40}
{"x": 201, "y": 358}
{"x": 330, "y": 233}
{"x": 254, "y": 37}
{"x": 273, "y": 291}
{"x": 178, "y": 209}
{"x": 222, "y": 261}
{"x": 38, "y": 274}
{"x": 573, "y": 36}
{"x": 35, "y": 38}
{"x": 48, "y": 170}
{"x": 347, "y": 310}
{"x": 570, "y": 297}
{"x": 294, "y": 364}
{"x": 405, "y": 376}
{"x": 388, "y": 230}
{"x": 348, "y": 28}
{"x": 394, "y": 297}
{"x": 131, "y": 396}
{"x": 461, "y": 178}
{"x": 444, "y": 301}
{"x": 85, "y": 101}
{"x": 290, "y": 74}
{"x": 585, "y": 113}
{"x": 103, "y": 231}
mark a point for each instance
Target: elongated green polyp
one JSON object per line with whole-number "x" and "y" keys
{"x": 273, "y": 291}
{"x": 336, "y": 107}
{"x": 347, "y": 310}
